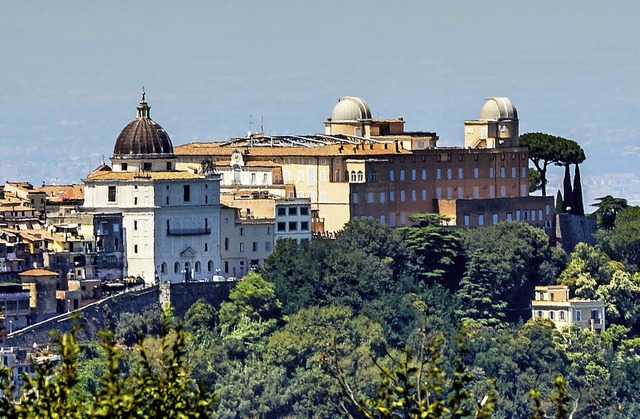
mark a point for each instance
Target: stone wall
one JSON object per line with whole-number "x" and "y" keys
{"x": 183, "y": 295}
{"x": 573, "y": 229}
{"x": 92, "y": 318}
{"x": 105, "y": 313}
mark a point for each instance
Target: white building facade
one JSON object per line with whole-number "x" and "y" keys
{"x": 170, "y": 218}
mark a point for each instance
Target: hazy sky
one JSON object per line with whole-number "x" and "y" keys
{"x": 72, "y": 72}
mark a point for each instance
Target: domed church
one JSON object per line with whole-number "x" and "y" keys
{"x": 170, "y": 218}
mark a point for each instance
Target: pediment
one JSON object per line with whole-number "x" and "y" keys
{"x": 188, "y": 253}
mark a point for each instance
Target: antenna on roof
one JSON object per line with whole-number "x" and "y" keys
{"x": 262, "y": 123}
{"x": 250, "y": 123}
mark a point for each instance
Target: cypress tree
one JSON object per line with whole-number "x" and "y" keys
{"x": 567, "y": 190}
{"x": 559, "y": 203}
{"x": 578, "y": 204}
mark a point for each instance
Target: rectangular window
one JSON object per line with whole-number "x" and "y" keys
{"x": 517, "y": 215}
{"x": 304, "y": 226}
{"x": 494, "y": 218}
{"x": 226, "y": 243}
{"x": 547, "y": 209}
{"x": 467, "y": 220}
{"x": 533, "y": 215}
{"x": 383, "y": 219}
{"x": 460, "y": 192}
{"x": 187, "y": 193}
{"x": 503, "y": 172}
{"x": 540, "y": 214}
{"x": 255, "y": 246}
{"x": 282, "y": 211}
{"x": 509, "y": 216}
{"x": 525, "y": 213}
{"x": 523, "y": 172}
{"x": 112, "y": 194}
{"x": 513, "y": 172}
{"x": 578, "y": 315}
{"x": 287, "y": 176}
{"x": 438, "y": 173}
{"x": 523, "y": 190}
{"x": 241, "y": 247}
{"x": 293, "y": 210}
{"x": 135, "y": 248}
{"x": 370, "y": 197}
{"x": 401, "y": 175}
{"x": 424, "y": 174}
{"x": 382, "y": 196}
{"x": 293, "y": 226}
{"x": 449, "y": 192}
{"x": 242, "y": 231}
{"x": 354, "y": 197}
{"x": 492, "y": 191}
{"x": 491, "y": 172}
{"x": 476, "y": 192}
{"x": 503, "y": 191}
{"x": 267, "y": 246}
{"x": 413, "y": 174}
{"x": 413, "y": 195}
{"x": 304, "y": 210}
{"x": 402, "y": 195}
{"x": 135, "y": 200}
{"x": 392, "y": 196}
{"x": 282, "y": 226}
{"x": 392, "y": 175}
{"x": 135, "y": 224}
{"x": 449, "y": 174}
{"x": 146, "y": 166}
{"x": 480, "y": 219}
{"x": 476, "y": 172}
{"x": 438, "y": 193}
{"x": 460, "y": 173}
{"x": 424, "y": 194}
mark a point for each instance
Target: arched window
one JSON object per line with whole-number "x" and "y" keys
{"x": 346, "y": 176}
{"x": 198, "y": 267}
{"x": 353, "y": 176}
{"x": 210, "y": 266}
{"x": 176, "y": 268}
{"x": 360, "y": 176}
{"x": 337, "y": 177}
{"x": 163, "y": 268}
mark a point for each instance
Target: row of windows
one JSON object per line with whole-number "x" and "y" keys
{"x": 293, "y": 226}
{"x": 146, "y": 166}
{"x": 371, "y": 196}
{"x": 254, "y": 246}
{"x": 563, "y": 314}
{"x": 449, "y": 172}
{"x": 178, "y": 268}
{"x": 293, "y": 210}
{"x": 520, "y": 215}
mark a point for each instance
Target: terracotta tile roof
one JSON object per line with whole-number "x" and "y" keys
{"x": 63, "y": 192}
{"x": 333, "y": 150}
{"x": 165, "y": 175}
{"x": 38, "y": 272}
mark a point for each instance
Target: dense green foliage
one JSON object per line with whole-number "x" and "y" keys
{"x": 419, "y": 321}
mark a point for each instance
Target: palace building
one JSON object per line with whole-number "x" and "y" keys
{"x": 170, "y": 219}
{"x": 365, "y": 167}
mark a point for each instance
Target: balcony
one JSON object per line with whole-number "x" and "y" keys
{"x": 198, "y": 231}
